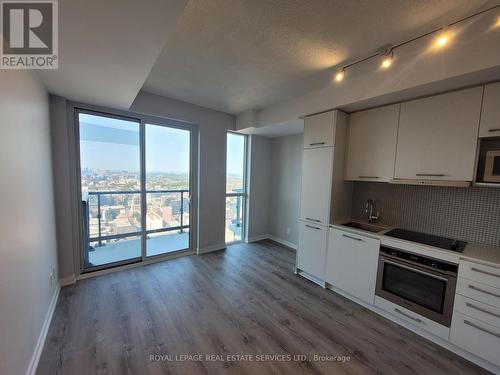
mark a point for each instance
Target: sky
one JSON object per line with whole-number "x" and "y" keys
{"x": 112, "y": 144}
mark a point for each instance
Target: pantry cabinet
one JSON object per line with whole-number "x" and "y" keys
{"x": 372, "y": 144}
{"x": 490, "y": 115}
{"x": 438, "y": 136}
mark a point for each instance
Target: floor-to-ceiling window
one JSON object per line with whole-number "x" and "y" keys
{"x": 135, "y": 181}
{"x": 236, "y": 152}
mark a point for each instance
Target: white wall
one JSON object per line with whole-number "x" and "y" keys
{"x": 213, "y": 126}
{"x": 259, "y": 186}
{"x": 27, "y": 224}
{"x": 286, "y": 172}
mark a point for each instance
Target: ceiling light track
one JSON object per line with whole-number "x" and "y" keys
{"x": 388, "y": 53}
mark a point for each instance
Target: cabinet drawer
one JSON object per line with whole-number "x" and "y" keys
{"x": 413, "y": 318}
{"x": 476, "y": 337}
{"x": 479, "y": 272}
{"x": 479, "y": 292}
{"x": 318, "y": 130}
{"x": 477, "y": 310}
{"x": 311, "y": 252}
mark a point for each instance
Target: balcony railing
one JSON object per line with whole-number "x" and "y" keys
{"x": 95, "y": 200}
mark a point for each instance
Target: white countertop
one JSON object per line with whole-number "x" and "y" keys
{"x": 475, "y": 252}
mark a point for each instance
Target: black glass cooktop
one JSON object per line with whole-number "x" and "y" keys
{"x": 428, "y": 239}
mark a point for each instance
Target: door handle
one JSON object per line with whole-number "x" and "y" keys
{"x": 316, "y": 143}
{"x": 481, "y": 328}
{"x": 429, "y": 174}
{"x": 484, "y": 272}
{"x": 484, "y": 291}
{"x": 352, "y": 238}
{"x": 315, "y": 220}
{"x": 368, "y": 176}
{"x": 482, "y": 310}
{"x": 310, "y": 226}
{"x": 494, "y": 130}
{"x": 408, "y": 315}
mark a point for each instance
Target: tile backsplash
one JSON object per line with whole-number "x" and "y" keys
{"x": 471, "y": 214}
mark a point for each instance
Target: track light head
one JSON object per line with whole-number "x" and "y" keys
{"x": 339, "y": 76}
{"x": 387, "y": 60}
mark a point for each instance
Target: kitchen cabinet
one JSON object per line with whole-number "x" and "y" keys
{"x": 372, "y": 144}
{"x": 316, "y": 185}
{"x": 351, "y": 263}
{"x": 312, "y": 249}
{"x": 319, "y": 130}
{"x": 490, "y": 115}
{"x": 437, "y": 137}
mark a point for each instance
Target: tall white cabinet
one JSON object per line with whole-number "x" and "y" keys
{"x": 322, "y": 185}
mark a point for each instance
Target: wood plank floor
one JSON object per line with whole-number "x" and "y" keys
{"x": 242, "y": 301}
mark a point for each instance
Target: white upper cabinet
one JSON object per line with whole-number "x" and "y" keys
{"x": 438, "y": 136}
{"x": 372, "y": 144}
{"x": 319, "y": 130}
{"x": 490, "y": 116}
{"x": 316, "y": 185}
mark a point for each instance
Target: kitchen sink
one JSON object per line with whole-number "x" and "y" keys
{"x": 363, "y": 226}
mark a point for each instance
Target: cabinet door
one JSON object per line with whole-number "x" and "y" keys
{"x": 318, "y": 130}
{"x": 490, "y": 116}
{"x": 311, "y": 251}
{"x": 316, "y": 185}
{"x": 351, "y": 263}
{"x": 372, "y": 144}
{"x": 438, "y": 137}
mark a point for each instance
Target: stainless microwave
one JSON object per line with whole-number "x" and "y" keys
{"x": 492, "y": 166}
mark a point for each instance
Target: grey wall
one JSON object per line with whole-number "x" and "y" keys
{"x": 27, "y": 223}
{"x": 259, "y": 186}
{"x": 471, "y": 214}
{"x": 213, "y": 126}
{"x": 286, "y": 172}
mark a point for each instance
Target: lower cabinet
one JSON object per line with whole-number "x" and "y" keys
{"x": 311, "y": 251}
{"x": 476, "y": 337}
{"x": 351, "y": 263}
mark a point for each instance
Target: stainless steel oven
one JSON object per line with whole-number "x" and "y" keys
{"x": 421, "y": 284}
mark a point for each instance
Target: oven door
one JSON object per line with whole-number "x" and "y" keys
{"x": 422, "y": 290}
{"x": 492, "y": 167}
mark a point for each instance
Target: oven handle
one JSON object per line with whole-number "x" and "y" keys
{"x": 417, "y": 270}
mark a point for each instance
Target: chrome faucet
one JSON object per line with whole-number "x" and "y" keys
{"x": 370, "y": 211}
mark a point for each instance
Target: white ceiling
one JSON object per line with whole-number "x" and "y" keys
{"x": 233, "y": 55}
{"x": 107, "y": 48}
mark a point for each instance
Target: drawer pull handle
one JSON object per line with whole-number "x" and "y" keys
{"x": 481, "y": 328}
{"x": 315, "y": 220}
{"x": 310, "y": 226}
{"x": 408, "y": 316}
{"x": 429, "y": 175}
{"x": 368, "y": 176}
{"x": 484, "y": 291}
{"x": 484, "y": 272}
{"x": 482, "y": 310}
{"x": 494, "y": 130}
{"x": 316, "y": 143}
{"x": 352, "y": 238}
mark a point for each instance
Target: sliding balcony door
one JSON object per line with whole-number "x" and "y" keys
{"x": 136, "y": 183}
{"x": 167, "y": 189}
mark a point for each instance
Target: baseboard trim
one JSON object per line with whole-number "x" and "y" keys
{"x": 35, "y": 358}
{"x": 283, "y": 242}
{"x": 209, "y": 249}
{"x": 258, "y": 238}
{"x": 65, "y": 281}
